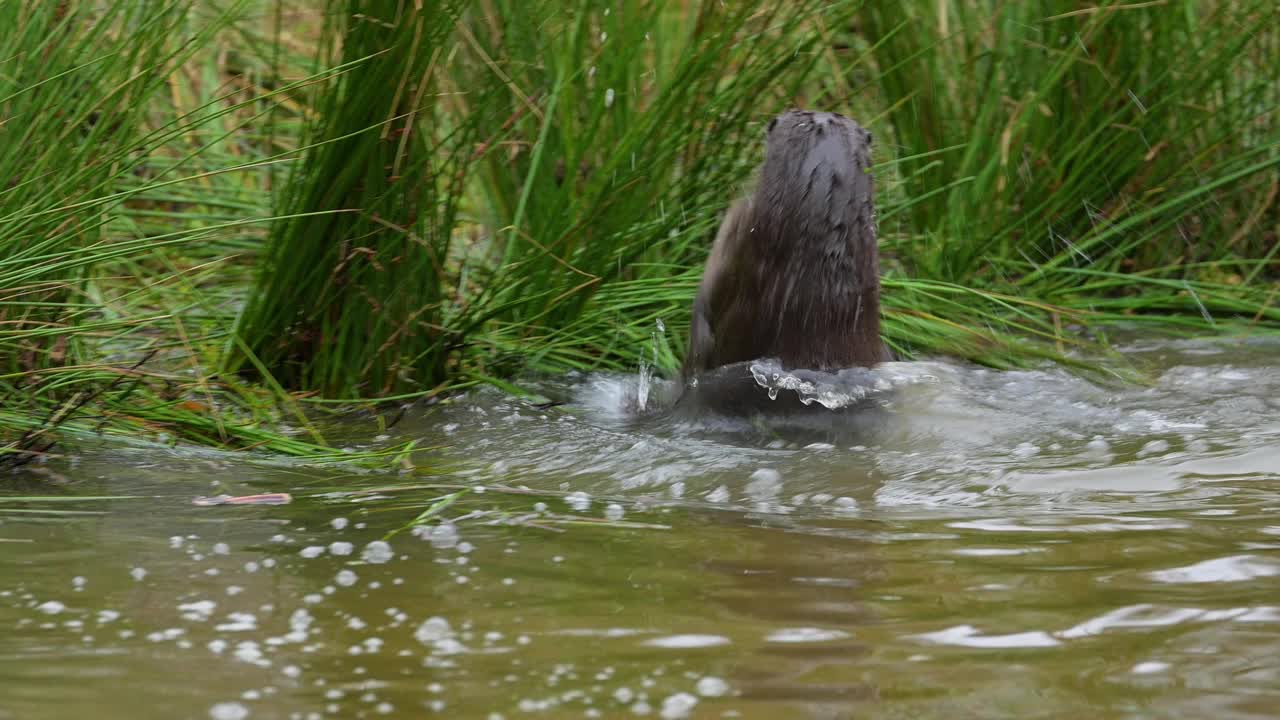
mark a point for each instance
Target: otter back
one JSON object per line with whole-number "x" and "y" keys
{"x": 794, "y": 273}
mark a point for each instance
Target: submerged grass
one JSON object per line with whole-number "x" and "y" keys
{"x": 216, "y": 222}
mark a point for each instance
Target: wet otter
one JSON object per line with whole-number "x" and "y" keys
{"x": 794, "y": 273}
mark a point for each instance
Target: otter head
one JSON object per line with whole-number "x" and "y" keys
{"x": 815, "y": 166}
{"x": 799, "y": 139}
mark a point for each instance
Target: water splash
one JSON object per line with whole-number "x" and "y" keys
{"x": 645, "y": 378}
{"x": 838, "y": 389}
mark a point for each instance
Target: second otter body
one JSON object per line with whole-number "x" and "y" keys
{"x": 794, "y": 273}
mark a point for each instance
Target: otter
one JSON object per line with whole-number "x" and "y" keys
{"x": 794, "y": 273}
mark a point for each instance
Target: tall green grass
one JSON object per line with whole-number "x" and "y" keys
{"x": 351, "y": 294}
{"x": 202, "y": 226}
{"x": 606, "y": 138}
{"x": 77, "y": 82}
{"x": 1046, "y": 138}
{"x": 1115, "y": 163}
{"x": 1005, "y": 229}
{"x": 127, "y": 189}
{"x": 634, "y": 124}
{"x": 1045, "y": 167}
{"x": 73, "y": 96}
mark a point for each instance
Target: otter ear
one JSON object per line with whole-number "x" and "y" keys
{"x": 866, "y": 136}
{"x": 772, "y": 124}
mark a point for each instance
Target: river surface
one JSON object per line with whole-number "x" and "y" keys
{"x": 1000, "y": 545}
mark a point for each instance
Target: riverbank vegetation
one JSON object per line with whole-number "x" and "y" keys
{"x": 220, "y": 221}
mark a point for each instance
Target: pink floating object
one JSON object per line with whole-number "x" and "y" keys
{"x": 263, "y": 499}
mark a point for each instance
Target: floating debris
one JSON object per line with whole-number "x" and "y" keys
{"x": 263, "y": 499}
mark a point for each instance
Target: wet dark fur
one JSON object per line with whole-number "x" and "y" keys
{"x": 794, "y": 273}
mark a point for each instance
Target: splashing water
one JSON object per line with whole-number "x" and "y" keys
{"x": 841, "y": 389}
{"x": 941, "y": 431}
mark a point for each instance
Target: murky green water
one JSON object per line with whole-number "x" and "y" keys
{"x": 1013, "y": 545}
